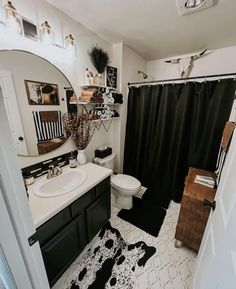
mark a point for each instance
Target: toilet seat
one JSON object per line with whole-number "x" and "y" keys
{"x": 125, "y": 182}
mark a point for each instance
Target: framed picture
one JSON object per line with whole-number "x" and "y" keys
{"x": 42, "y": 93}
{"x": 111, "y": 76}
{"x": 30, "y": 29}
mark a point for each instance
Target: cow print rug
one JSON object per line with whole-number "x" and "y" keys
{"x": 110, "y": 262}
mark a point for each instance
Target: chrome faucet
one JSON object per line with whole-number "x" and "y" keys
{"x": 53, "y": 171}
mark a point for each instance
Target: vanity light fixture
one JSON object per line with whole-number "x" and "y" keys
{"x": 46, "y": 33}
{"x": 70, "y": 41}
{"x": 2, "y": 21}
{"x": 2, "y": 16}
{"x": 70, "y": 44}
{"x": 190, "y": 4}
{"x": 13, "y": 20}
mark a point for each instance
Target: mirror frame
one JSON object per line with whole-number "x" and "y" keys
{"x": 49, "y": 62}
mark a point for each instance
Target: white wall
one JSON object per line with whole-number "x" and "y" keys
{"x": 219, "y": 61}
{"x": 25, "y": 66}
{"x": 216, "y": 62}
{"x": 38, "y": 11}
{"x": 131, "y": 63}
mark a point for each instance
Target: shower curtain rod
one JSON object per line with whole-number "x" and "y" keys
{"x": 183, "y": 79}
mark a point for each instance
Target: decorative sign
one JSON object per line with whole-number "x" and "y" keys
{"x": 111, "y": 76}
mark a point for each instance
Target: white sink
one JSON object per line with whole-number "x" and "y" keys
{"x": 60, "y": 185}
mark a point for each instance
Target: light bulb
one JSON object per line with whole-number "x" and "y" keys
{"x": 13, "y": 20}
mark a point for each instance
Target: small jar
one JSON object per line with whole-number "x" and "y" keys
{"x": 72, "y": 160}
{"x": 28, "y": 178}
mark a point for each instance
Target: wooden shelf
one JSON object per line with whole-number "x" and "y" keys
{"x": 97, "y": 103}
{"x": 92, "y": 103}
{"x": 104, "y": 119}
{"x": 97, "y": 86}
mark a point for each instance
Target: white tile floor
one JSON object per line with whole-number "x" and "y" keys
{"x": 169, "y": 268}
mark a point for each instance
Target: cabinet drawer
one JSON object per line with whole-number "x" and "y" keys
{"x": 79, "y": 205}
{"x": 53, "y": 226}
{"x": 103, "y": 186}
{"x": 62, "y": 250}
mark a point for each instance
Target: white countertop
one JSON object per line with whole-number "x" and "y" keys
{"x": 45, "y": 208}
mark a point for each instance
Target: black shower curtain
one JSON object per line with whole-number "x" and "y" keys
{"x": 172, "y": 127}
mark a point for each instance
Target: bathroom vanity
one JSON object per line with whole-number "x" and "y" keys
{"x": 67, "y": 223}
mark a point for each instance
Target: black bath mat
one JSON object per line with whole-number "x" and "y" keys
{"x": 109, "y": 262}
{"x": 145, "y": 215}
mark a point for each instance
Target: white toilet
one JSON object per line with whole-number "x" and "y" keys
{"x": 123, "y": 186}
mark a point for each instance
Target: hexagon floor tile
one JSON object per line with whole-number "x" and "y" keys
{"x": 169, "y": 268}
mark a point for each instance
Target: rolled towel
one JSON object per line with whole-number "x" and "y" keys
{"x": 73, "y": 98}
{"x": 85, "y": 98}
{"x": 87, "y": 93}
{"x": 97, "y": 94}
{"x": 118, "y": 97}
{"x": 105, "y": 99}
{"x": 112, "y": 100}
{"x": 96, "y": 99}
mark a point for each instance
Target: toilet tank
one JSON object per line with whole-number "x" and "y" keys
{"x": 107, "y": 162}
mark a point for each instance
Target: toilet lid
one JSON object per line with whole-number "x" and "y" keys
{"x": 125, "y": 182}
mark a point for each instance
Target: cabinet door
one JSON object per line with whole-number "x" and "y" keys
{"x": 103, "y": 187}
{"x": 62, "y": 250}
{"x": 53, "y": 226}
{"x": 98, "y": 213}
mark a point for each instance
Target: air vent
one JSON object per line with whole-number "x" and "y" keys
{"x": 190, "y": 6}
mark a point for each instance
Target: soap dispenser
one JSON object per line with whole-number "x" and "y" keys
{"x": 72, "y": 160}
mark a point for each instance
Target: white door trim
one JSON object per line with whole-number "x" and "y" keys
{"x": 8, "y": 241}
{"x": 17, "y": 204}
{"x": 13, "y": 112}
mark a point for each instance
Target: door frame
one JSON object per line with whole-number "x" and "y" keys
{"x": 18, "y": 272}
{"x": 209, "y": 235}
{"x": 16, "y": 201}
{"x": 13, "y": 112}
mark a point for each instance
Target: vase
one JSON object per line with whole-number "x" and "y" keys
{"x": 101, "y": 79}
{"x": 81, "y": 157}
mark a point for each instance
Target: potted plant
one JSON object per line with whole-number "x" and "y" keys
{"x": 100, "y": 59}
{"x": 81, "y": 129}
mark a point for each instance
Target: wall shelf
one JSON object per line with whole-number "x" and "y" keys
{"x": 101, "y": 122}
{"x": 98, "y": 86}
{"x": 104, "y": 119}
{"x": 92, "y": 103}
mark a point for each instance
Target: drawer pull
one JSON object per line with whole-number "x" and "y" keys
{"x": 209, "y": 204}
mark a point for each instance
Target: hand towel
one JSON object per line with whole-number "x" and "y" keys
{"x": 49, "y": 116}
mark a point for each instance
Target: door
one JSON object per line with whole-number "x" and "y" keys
{"x": 216, "y": 262}
{"x": 18, "y": 223}
{"x": 13, "y": 272}
{"x": 13, "y": 113}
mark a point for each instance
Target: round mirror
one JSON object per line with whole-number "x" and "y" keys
{"x": 36, "y": 95}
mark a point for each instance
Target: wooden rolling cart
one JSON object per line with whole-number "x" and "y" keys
{"x": 195, "y": 208}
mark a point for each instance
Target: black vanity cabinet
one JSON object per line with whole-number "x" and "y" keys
{"x": 96, "y": 213}
{"x": 63, "y": 237}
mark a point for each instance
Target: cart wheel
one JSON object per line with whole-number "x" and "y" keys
{"x": 178, "y": 244}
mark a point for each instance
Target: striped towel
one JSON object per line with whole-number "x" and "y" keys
{"x": 50, "y": 129}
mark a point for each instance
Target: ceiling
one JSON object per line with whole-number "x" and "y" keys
{"x": 154, "y": 28}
